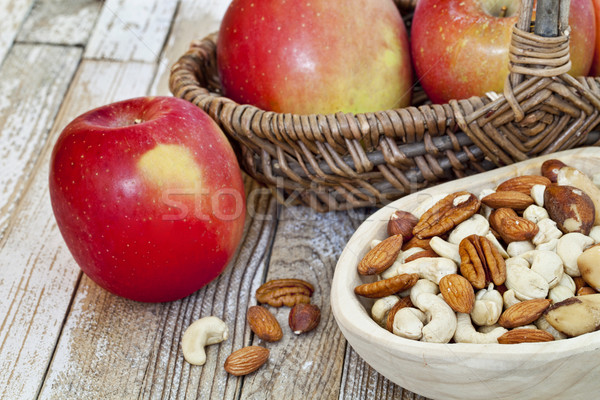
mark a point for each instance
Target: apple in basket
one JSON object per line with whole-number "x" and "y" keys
{"x": 460, "y": 48}
{"x": 148, "y": 196}
{"x": 317, "y": 56}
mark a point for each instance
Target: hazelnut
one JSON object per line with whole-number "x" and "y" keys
{"x": 551, "y": 167}
{"x": 402, "y": 223}
{"x": 304, "y": 317}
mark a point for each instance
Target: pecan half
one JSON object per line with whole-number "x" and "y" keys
{"x": 381, "y": 257}
{"x": 284, "y": 292}
{"x": 387, "y": 287}
{"x": 511, "y": 227}
{"x": 481, "y": 262}
{"x": 446, "y": 214}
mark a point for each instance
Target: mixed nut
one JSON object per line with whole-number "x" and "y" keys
{"x": 516, "y": 264}
{"x": 303, "y": 317}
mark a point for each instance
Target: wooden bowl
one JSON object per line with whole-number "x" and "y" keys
{"x": 554, "y": 370}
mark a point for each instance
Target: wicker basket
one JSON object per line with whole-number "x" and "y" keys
{"x": 342, "y": 161}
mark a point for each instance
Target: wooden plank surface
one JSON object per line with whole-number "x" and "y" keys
{"x": 306, "y": 246}
{"x": 38, "y": 275}
{"x": 13, "y": 13}
{"x": 195, "y": 19}
{"x": 112, "y": 348}
{"x": 33, "y": 82}
{"x": 131, "y": 30}
{"x": 60, "y": 22}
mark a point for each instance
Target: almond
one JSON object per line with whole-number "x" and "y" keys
{"x": 263, "y": 324}
{"x": 509, "y": 199}
{"x": 381, "y": 257}
{"x": 511, "y": 227}
{"x": 246, "y": 360}
{"x": 523, "y": 183}
{"x": 458, "y": 293}
{"x": 523, "y": 313}
{"x": 525, "y": 336}
{"x": 304, "y": 318}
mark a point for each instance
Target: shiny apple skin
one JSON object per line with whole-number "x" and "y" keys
{"x": 320, "y": 56}
{"x": 148, "y": 196}
{"x": 459, "y": 50}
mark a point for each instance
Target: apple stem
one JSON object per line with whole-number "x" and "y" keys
{"x": 503, "y": 11}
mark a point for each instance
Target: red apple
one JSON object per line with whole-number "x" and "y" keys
{"x": 460, "y": 48}
{"x": 595, "y": 69}
{"x": 148, "y": 196}
{"x": 317, "y": 56}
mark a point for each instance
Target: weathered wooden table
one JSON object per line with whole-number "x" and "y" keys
{"x": 62, "y": 336}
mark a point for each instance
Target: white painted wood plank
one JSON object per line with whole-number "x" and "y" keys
{"x": 37, "y": 273}
{"x": 33, "y": 82}
{"x": 195, "y": 19}
{"x": 60, "y": 22}
{"x": 113, "y": 348}
{"x": 13, "y": 15}
{"x": 131, "y": 30}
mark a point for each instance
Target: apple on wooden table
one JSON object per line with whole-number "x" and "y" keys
{"x": 316, "y": 56}
{"x": 460, "y": 48}
{"x": 148, "y": 196}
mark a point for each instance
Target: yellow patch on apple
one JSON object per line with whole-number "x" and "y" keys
{"x": 170, "y": 165}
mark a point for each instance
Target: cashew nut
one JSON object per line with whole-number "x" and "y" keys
{"x": 382, "y": 307}
{"x": 535, "y": 213}
{"x": 564, "y": 289}
{"x": 425, "y": 202}
{"x": 569, "y": 247}
{"x": 423, "y": 286}
{"x": 490, "y": 236}
{"x": 547, "y": 232}
{"x": 445, "y": 249}
{"x": 595, "y": 234}
{"x": 402, "y": 256}
{"x": 573, "y": 177}
{"x": 477, "y": 224}
{"x": 374, "y": 243}
{"x": 201, "y": 333}
{"x": 514, "y": 249}
{"x": 509, "y": 298}
{"x": 543, "y": 324}
{"x": 408, "y": 323}
{"x": 548, "y": 246}
{"x": 546, "y": 263}
{"x": 432, "y": 268}
{"x": 488, "y": 306}
{"x": 442, "y": 319}
{"x": 527, "y": 284}
{"x": 537, "y": 194}
{"x": 466, "y": 333}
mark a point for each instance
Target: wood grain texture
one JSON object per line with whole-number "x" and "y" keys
{"x": 38, "y": 275}
{"x": 12, "y": 17}
{"x": 30, "y": 96}
{"x": 310, "y": 365}
{"x": 360, "y": 381}
{"x": 131, "y": 30}
{"x": 60, "y": 22}
{"x": 195, "y": 19}
{"x": 113, "y": 348}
